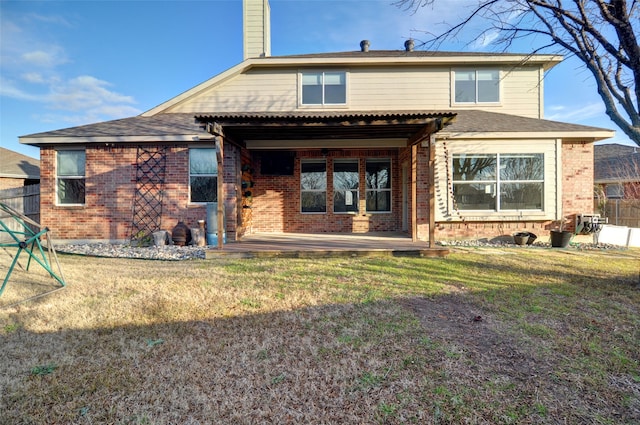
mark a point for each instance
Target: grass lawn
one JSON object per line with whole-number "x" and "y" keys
{"x": 515, "y": 335}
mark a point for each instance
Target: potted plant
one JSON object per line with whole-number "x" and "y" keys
{"x": 521, "y": 238}
{"x": 560, "y": 237}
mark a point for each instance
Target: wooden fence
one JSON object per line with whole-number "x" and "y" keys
{"x": 622, "y": 212}
{"x": 26, "y": 200}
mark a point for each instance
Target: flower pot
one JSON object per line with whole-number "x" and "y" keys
{"x": 521, "y": 238}
{"x": 560, "y": 239}
{"x": 532, "y": 238}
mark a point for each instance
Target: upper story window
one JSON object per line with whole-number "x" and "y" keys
{"x": 324, "y": 88}
{"x": 346, "y": 182}
{"x": 70, "y": 177}
{"x": 615, "y": 191}
{"x": 313, "y": 186}
{"x": 498, "y": 182}
{"x": 378, "y": 178}
{"x": 203, "y": 175}
{"x": 477, "y": 86}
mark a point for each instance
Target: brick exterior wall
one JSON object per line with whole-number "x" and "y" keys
{"x": 275, "y": 200}
{"x": 110, "y": 190}
{"x": 577, "y": 180}
{"x": 276, "y": 203}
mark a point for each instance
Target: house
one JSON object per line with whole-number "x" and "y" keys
{"x": 617, "y": 170}
{"x": 17, "y": 170}
{"x": 435, "y": 144}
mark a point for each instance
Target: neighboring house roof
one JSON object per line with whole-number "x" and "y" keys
{"x": 615, "y": 163}
{"x": 188, "y": 127}
{"x": 17, "y": 165}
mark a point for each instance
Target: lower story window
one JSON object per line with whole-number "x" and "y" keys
{"x": 203, "y": 175}
{"x": 378, "y": 179}
{"x": 70, "y": 177}
{"x": 498, "y": 182}
{"x": 313, "y": 186}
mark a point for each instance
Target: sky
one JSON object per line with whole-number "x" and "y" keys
{"x": 70, "y": 63}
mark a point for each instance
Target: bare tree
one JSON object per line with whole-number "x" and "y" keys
{"x": 603, "y": 35}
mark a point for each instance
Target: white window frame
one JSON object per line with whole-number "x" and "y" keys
{"x": 323, "y": 104}
{"x": 319, "y": 190}
{"x": 389, "y": 190}
{"x": 497, "y": 182}
{"x": 214, "y": 174}
{"x": 446, "y": 211}
{"x": 70, "y": 177}
{"x": 476, "y": 79}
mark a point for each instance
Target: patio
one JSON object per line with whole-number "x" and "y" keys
{"x": 321, "y": 245}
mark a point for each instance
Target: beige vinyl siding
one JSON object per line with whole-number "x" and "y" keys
{"x": 521, "y": 92}
{"x": 372, "y": 88}
{"x": 445, "y": 150}
{"x": 398, "y": 88}
{"x": 257, "y": 32}
{"x": 259, "y": 90}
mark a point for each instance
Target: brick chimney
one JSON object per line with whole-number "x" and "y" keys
{"x": 256, "y": 19}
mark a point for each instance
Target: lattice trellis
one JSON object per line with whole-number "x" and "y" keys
{"x": 147, "y": 204}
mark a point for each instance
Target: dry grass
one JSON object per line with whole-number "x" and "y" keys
{"x": 326, "y": 341}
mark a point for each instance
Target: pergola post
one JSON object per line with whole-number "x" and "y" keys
{"x": 221, "y": 195}
{"x": 432, "y": 191}
{"x": 414, "y": 193}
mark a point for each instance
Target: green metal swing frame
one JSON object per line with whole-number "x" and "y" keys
{"x": 30, "y": 241}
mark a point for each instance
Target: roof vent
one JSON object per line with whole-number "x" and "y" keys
{"x": 408, "y": 45}
{"x": 364, "y": 45}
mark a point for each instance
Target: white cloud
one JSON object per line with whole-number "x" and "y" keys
{"x": 85, "y": 92}
{"x": 34, "y": 78}
{"x": 44, "y": 59}
{"x": 8, "y": 88}
{"x": 571, "y": 114}
{"x": 31, "y": 71}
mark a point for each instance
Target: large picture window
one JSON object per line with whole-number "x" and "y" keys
{"x": 313, "y": 186}
{"x": 324, "y": 88}
{"x": 378, "y": 180}
{"x": 498, "y": 182}
{"x": 203, "y": 175}
{"x": 346, "y": 182}
{"x": 70, "y": 177}
{"x": 477, "y": 86}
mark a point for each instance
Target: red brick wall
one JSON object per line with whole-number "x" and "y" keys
{"x": 110, "y": 189}
{"x": 577, "y": 180}
{"x": 276, "y": 203}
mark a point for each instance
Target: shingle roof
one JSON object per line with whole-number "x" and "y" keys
{"x": 158, "y": 125}
{"x": 613, "y": 150}
{"x": 184, "y": 126}
{"x": 400, "y": 53}
{"x": 17, "y": 165}
{"x": 616, "y": 163}
{"x": 476, "y": 121}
